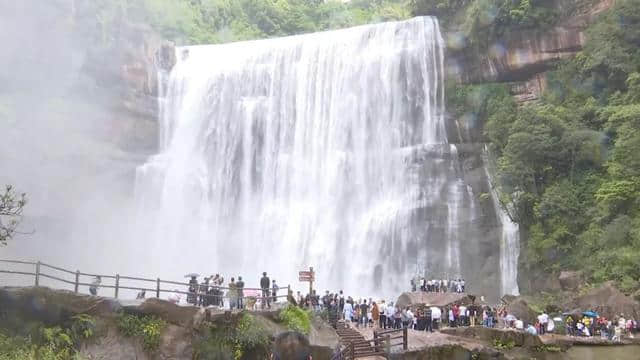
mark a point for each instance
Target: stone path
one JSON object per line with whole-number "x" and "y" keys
{"x": 421, "y": 339}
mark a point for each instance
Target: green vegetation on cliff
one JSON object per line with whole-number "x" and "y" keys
{"x": 569, "y": 165}
{"x": 216, "y": 21}
{"x": 146, "y": 328}
{"x": 47, "y": 343}
{"x": 296, "y": 319}
{"x": 242, "y": 337}
{"x": 483, "y": 20}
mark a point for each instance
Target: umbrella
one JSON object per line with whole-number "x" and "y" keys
{"x": 557, "y": 319}
{"x": 192, "y": 275}
{"x": 510, "y": 317}
{"x": 592, "y": 314}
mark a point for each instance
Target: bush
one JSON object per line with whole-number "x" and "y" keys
{"x": 244, "y": 338}
{"x": 147, "y": 328}
{"x": 296, "y": 319}
{"x": 500, "y": 344}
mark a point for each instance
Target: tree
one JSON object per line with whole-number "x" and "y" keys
{"x": 11, "y": 207}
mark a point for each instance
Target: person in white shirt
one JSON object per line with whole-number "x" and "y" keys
{"x": 519, "y": 324}
{"x": 463, "y": 315}
{"x": 436, "y": 316}
{"x": 389, "y": 312}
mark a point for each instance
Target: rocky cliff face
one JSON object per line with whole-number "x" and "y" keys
{"x": 522, "y": 56}
{"x": 77, "y": 115}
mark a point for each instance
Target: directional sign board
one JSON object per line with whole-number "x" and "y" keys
{"x": 306, "y": 276}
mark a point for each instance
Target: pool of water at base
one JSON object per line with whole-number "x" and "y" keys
{"x": 623, "y": 352}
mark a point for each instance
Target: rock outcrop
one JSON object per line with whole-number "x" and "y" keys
{"x": 20, "y": 306}
{"x": 607, "y": 300}
{"x": 571, "y": 280}
{"x": 519, "y": 308}
{"x": 518, "y": 338}
{"x": 521, "y": 55}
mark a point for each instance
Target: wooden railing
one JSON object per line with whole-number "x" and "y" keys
{"x": 40, "y": 272}
{"x": 381, "y": 345}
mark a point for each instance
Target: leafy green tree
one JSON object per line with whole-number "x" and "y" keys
{"x": 11, "y": 208}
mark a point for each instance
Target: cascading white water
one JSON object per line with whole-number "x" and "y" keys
{"x": 327, "y": 150}
{"x": 509, "y": 242}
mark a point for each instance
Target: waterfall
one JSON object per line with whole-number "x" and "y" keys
{"x": 509, "y": 241}
{"x": 327, "y": 150}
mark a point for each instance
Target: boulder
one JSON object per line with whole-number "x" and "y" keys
{"x": 519, "y": 308}
{"x": 607, "y": 300}
{"x": 571, "y": 280}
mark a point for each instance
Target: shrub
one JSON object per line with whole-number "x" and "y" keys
{"x": 244, "y": 338}
{"x": 500, "y": 344}
{"x": 296, "y": 319}
{"x": 147, "y": 328}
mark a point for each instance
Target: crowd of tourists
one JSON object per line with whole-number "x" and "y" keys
{"x": 437, "y": 285}
{"x": 612, "y": 329}
{"x": 212, "y": 292}
{"x": 386, "y": 315}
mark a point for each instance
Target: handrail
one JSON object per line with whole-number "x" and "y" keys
{"x": 77, "y": 283}
{"x": 17, "y": 262}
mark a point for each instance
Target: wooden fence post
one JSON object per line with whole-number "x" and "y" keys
{"x": 38, "y": 273}
{"x": 158, "y": 288}
{"x": 405, "y": 339}
{"x": 388, "y": 344}
{"x": 117, "y": 284}
{"x": 77, "y": 284}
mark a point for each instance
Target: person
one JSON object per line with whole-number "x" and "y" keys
{"x": 95, "y": 285}
{"x": 569, "y": 324}
{"x": 192, "y": 298}
{"x": 240, "y": 291}
{"x": 551, "y": 326}
{"x": 462, "y": 315}
{"x": 383, "y": 315}
{"x": 274, "y": 291}
{"x": 364, "y": 309}
{"x": 375, "y": 314}
{"x": 348, "y": 312}
{"x": 333, "y": 313}
{"x": 203, "y": 300}
{"x": 141, "y": 294}
{"x": 291, "y": 345}
{"x": 390, "y": 312}
{"x": 406, "y": 319}
{"x": 519, "y": 324}
{"x": 436, "y": 316}
{"x": 341, "y": 302}
{"x": 428, "y": 314}
{"x": 543, "y": 319}
{"x": 452, "y": 318}
{"x": 232, "y": 294}
{"x": 175, "y": 297}
{"x": 326, "y": 299}
{"x": 397, "y": 318}
{"x": 264, "y": 285}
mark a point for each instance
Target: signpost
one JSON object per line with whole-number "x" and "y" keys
{"x": 308, "y": 276}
